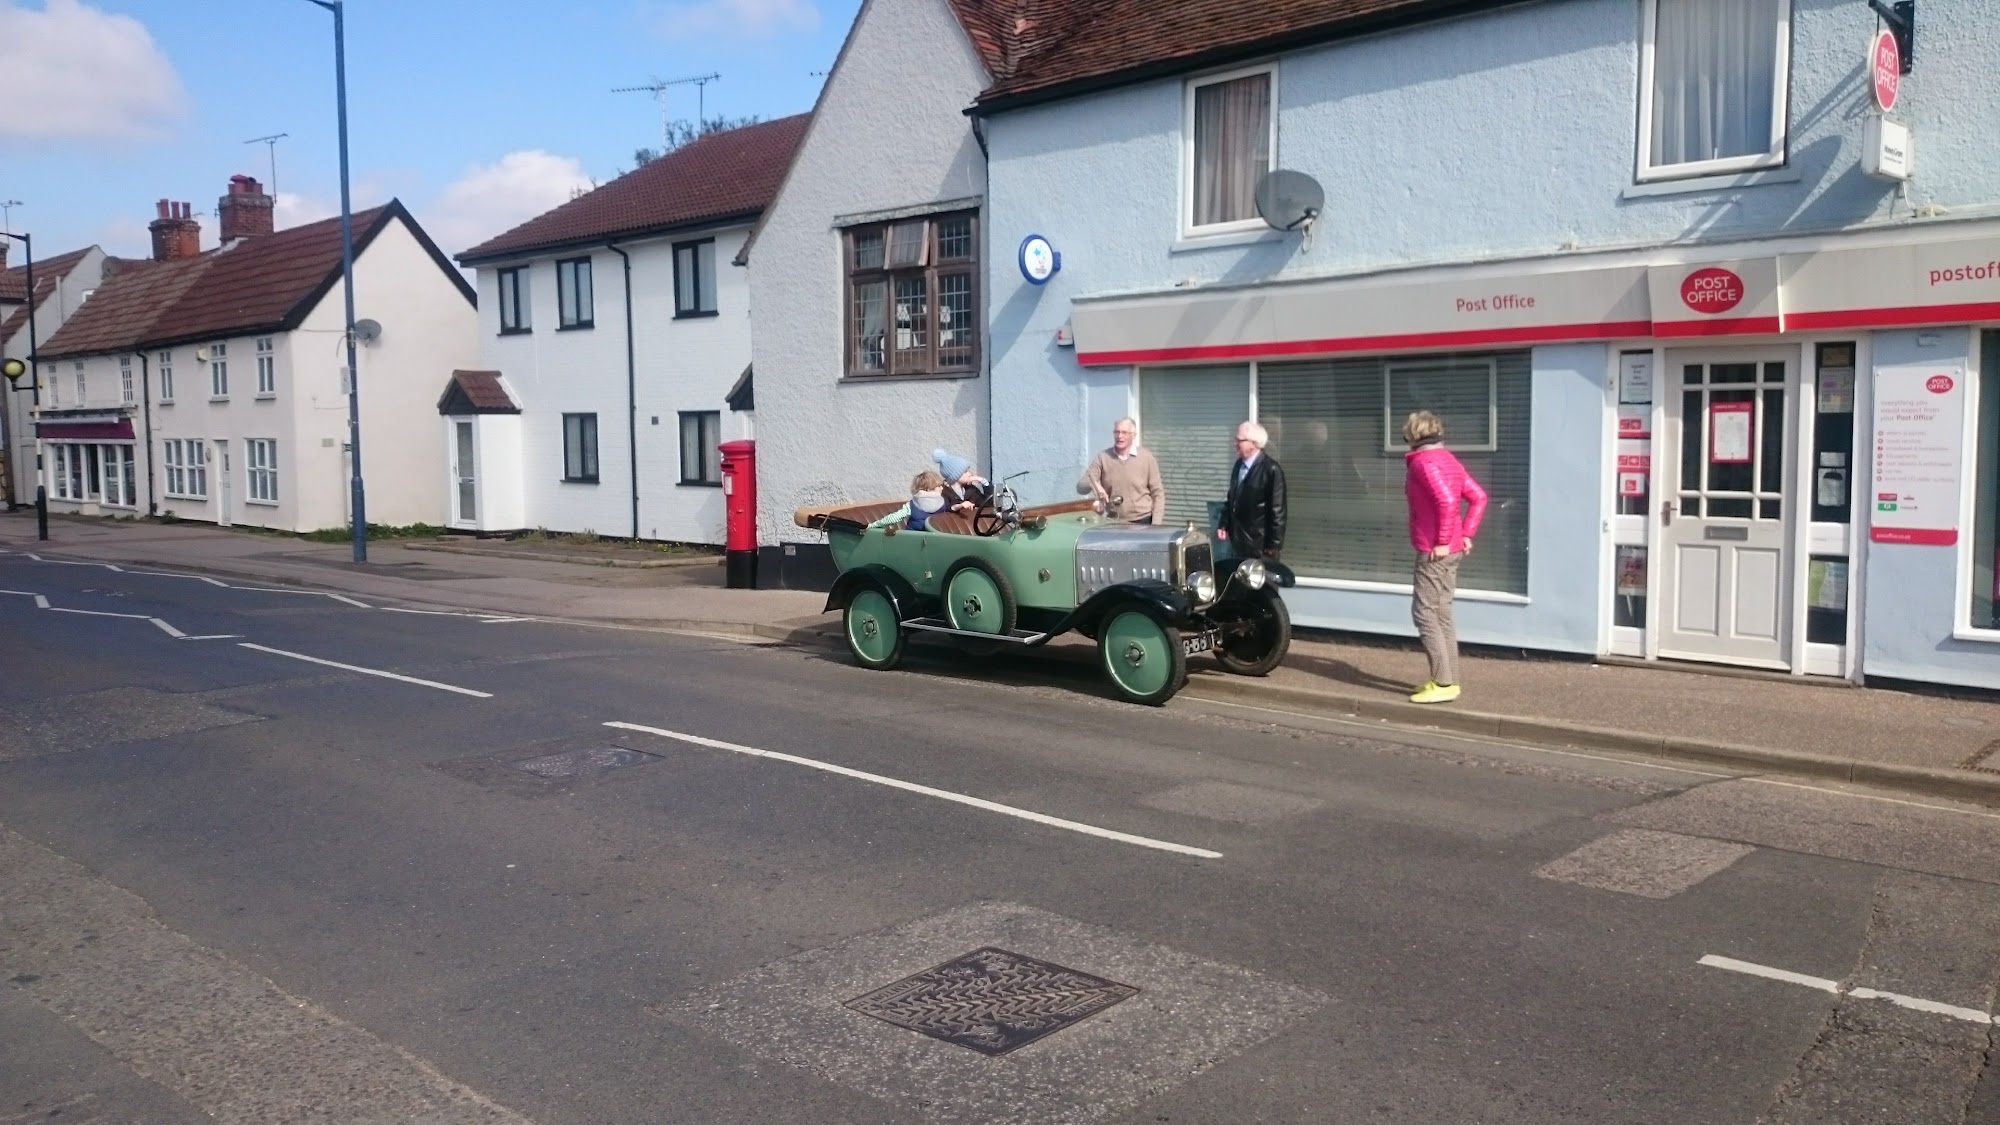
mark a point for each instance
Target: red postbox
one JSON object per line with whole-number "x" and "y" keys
{"x": 739, "y": 491}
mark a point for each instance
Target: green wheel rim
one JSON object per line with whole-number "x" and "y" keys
{"x": 973, "y": 602}
{"x": 872, "y": 627}
{"x": 1136, "y": 656}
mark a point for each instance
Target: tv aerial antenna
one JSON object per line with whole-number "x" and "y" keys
{"x": 7, "y": 213}
{"x": 659, "y": 88}
{"x": 1289, "y": 201}
{"x": 271, "y": 143}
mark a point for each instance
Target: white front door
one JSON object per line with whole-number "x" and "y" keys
{"x": 1724, "y": 549}
{"x": 224, "y": 494}
{"x": 465, "y": 490}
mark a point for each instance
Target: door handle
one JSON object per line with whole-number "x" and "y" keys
{"x": 1666, "y": 512}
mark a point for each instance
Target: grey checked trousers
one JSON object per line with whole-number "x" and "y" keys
{"x": 1435, "y": 584}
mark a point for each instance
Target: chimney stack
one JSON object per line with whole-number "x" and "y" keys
{"x": 6, "y": 244}
{"x": 176, "y": 233}
{"x": 246, "y": 211}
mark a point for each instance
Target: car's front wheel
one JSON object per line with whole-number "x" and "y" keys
{"x": 1141, "y": 655}
{"x": 874, "y": 634}
{"x": 1255, "y": 632}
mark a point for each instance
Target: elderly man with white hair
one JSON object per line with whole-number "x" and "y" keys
{"x": 1126, "y": 478}
{"x": 1253, "y": 517}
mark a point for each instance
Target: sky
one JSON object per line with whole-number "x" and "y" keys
{"x": 477, "y": 116}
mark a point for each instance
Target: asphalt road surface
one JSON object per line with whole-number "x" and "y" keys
{"x": 278, "y": 856}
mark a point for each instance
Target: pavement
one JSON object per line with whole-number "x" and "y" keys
{"x": 1938, "y": 743}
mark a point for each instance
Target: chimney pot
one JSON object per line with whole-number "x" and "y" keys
{"x": 246, "y": 212}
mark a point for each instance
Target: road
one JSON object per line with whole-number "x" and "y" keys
{"x": 278, "y": 856}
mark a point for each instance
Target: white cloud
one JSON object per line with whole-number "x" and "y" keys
{"x": 80, "y": 73}
{"x": 491, "y": 198}
{"x": 754, "y": 19}
{"x": 291, "y": 209}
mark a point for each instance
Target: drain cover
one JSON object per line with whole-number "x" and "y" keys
{"x": 991, "y": 1000}
{"x": 583, "y": 763}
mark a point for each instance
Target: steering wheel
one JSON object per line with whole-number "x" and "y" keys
{"x": 996, "y": 513}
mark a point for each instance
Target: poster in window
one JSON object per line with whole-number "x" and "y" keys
{"x": 1731, "y": 425}
{"x": 1919, "y": 419}
{"x": 1836, "y": 390}
{"x": 1826, "y": 584}
{"x": 1631, "y": 576}
{"x": 1635, "y": 379}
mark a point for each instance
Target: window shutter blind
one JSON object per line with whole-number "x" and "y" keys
{"x": 1348, "y": 518}
{"x": 1187, "y": 416}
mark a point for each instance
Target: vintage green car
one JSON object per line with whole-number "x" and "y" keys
{"x": 1151, "y": 596}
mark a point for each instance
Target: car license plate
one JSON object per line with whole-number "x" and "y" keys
{"x": 1193, "y": 643}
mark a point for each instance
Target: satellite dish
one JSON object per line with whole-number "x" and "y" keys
{"x": 367, "y": 331}
{"x": 1288, "y": 200}
{"x": 201, "y": 355}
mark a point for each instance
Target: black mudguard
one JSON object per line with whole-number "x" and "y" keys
{"x": 875, "y": 576}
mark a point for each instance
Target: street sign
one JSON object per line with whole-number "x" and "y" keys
{"x": 1885, "y": 70}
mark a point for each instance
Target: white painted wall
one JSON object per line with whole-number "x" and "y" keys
{"x": 426, "y": 333}
{"x": 681, "y": 364}
{"x": 496, "y": 453}
{"x": 889, "y": 132}
{"x": 56, "y": 308}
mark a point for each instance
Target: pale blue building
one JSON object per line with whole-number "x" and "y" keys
{"x": 1718, "y": 331}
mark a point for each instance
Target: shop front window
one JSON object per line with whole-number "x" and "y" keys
{"x": 1986, "y": 491}
{"x": 1335, "y": 427}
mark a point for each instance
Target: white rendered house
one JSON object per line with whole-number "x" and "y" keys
{"x": 212, "y": 386}
{"x": 611, "y": 333}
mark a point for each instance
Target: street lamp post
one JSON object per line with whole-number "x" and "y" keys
{"x": 358, "y": 506}
{"x": 33, "y": 372}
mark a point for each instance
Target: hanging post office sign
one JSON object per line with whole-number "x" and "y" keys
{"x": 1919, "y": 431}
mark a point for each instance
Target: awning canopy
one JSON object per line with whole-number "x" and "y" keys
{"x": 100, "y": 430}
{"x": 1942, "y": 280}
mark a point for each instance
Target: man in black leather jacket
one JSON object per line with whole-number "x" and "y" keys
{"x": 1253, "y": 517}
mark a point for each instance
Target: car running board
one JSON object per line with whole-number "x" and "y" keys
{"x": 938, "y": 625}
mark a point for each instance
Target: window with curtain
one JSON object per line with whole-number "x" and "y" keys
{"x": 694, "y": 278}
{"x": 580, "y": 448}
{"x": 1715, "y": 78}
{"x": 514, "y": 300}
{"x": 1328, "y": 420}
{"x": 701, "y": 440}
{"x": 1986, "y": 491}
{"x": 575, "y": 304}
{"x": 1229, "y": 147}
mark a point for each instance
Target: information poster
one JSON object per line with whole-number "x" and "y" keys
{"x": 1919, "y": 431}
{"x": 1635, "y": 379}
{"x": 1730, "y": 427}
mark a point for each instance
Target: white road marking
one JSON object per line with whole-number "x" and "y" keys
{"x": 485, "y": 617}
{"x": 925, "y": 790}
{"x": 1969, "y": 1015}
{"x": 168, "y": 629}
{"x": 368, "y": 671}
{"x": 214, "y": 637}
{"x": 1873, "y": 797}
{"x": 97, "y": 613}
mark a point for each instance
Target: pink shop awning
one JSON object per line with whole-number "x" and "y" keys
{"x": 119, "y": 430}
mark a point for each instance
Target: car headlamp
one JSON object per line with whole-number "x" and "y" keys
{"x": 1203, "y": 585}
{"x": 1253, "y": 574}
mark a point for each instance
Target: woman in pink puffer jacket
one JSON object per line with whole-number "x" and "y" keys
{"x": 1437, "y": 487}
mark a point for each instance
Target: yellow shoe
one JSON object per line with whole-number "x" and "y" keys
{"x": 1433, "y": 692}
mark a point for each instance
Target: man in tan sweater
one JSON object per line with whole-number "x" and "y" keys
{"x": 1126, "y": 478}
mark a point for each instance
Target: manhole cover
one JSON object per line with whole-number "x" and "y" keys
{"x": 991, "y": 1000}
{"x": 583, "y": 763}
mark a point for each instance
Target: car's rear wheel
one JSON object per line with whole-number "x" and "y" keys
{"x": 874, "y": 634}
{"x": 979, "y": 599}
{"x": 1141, "y": 655}
{"x": 1256, "y": 632}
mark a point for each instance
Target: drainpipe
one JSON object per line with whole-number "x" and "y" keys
{"x": 146, "y": 404}
{"x": 631, "y": 390}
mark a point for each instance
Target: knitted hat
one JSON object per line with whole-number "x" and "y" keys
{"x": 951, "y": 465}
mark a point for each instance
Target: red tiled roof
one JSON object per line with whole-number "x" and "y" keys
{"x": 476, "y": 392}
{"x": 1055, "y": 44}
{"x": 266, "y": 283}
{"x": 121, "y": 314}
{"x": 723, "y": 175}
{"x": 988, "y": 24}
